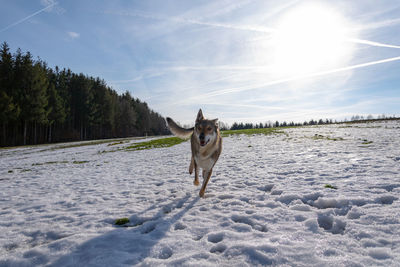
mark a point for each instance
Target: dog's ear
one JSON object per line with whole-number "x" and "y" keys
{"x": 215, "y": 121}
{"x": 199, "y": 116}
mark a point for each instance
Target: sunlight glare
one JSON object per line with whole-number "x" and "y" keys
{"x": 310, "y": 38}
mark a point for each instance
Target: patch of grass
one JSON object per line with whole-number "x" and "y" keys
{"x": 360, "y": 127}
{"x": 366, "y": 142}
{"x": 157, "y": 143}
{"x": 89, "y": 143}
{"x": 49, "y": 162}
{"x": 116, "y": 143}
{"x": 321, "y": 137}
{"x": 330, "y": 186}
{"x": 92, "y": 143}
{"x": 80, "y": 162}
{"x": 121, "y": 221}
{"x": 264, "y": 131}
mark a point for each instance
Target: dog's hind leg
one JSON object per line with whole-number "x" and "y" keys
{"x": 206, "y": 178}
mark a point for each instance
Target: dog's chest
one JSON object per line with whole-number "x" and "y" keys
{"x": 204, "y": 163}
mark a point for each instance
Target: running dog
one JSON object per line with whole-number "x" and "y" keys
{"x": 206, "y": 143}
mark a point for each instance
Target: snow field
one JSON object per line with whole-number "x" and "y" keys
{"x": 266, "y": 203}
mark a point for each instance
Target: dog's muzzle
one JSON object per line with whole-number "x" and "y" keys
{"x": 202, "y": 139}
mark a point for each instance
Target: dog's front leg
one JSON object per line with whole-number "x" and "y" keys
{"x": 191, "y": 165}
{"x": 206, "y": 178}
{"x": 196, "y": 174}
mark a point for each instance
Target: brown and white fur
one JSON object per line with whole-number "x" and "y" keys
{"x": 206, "y": 144}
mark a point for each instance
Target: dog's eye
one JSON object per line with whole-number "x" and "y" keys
{"x": 209, "y": 129}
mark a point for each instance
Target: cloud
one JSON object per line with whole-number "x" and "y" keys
{"x": 73, "y": 35}
{"x": 52, "y": 6}
{"x": 380, "y": 24}
{"x": 183, "y": 20}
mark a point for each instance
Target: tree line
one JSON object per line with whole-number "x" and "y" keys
{"x": 39, "y": 104}
{"x": 269, "y": 124}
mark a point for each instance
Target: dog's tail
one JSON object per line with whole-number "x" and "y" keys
{"x": 177, "y": 130}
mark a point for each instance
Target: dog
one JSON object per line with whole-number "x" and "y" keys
{"x": 206, "y": 144}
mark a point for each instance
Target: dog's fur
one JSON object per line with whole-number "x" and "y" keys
{"x": 206, "y": 143}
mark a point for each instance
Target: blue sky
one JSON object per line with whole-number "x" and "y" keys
{"x": 249, "y": 61}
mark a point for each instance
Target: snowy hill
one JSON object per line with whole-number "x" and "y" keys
{"x": 312, "y": 196}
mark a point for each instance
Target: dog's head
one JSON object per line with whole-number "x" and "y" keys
{"x": 205, "y": 130}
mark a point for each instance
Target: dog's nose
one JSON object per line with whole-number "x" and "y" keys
{"x": 201, "y": 136}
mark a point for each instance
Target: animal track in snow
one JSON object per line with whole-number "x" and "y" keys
{"x": 220, "y": 248}
{"x": 148, "y": 227}
{"x": 331, "y": 224}
{"x": 215, "y": 238}
{"x": 179, "y": 226}
{"x": 248, "y": 221}
{"x": 223, "y": 197}
{"x": 266, "y": 188}
{"x": 165, "y": 253}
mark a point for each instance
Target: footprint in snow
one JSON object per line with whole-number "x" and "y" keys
{"x": 245, "y": 220}
{"x": 331, "y": 224}
{"x": 179, "y": 226}
{"x": 215, "y": 238}
{"x": 218, "y": 248}
{"x": 223, "y": 197}
{"x": 165, "y": 253}
{"x": 147, "y": 228}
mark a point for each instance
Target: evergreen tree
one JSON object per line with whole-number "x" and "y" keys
{"x": 9, "y": 111}
{"x": 55, "y": 108}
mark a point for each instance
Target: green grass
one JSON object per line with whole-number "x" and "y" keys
{"x": 330, "y": 186}
{"x": 321, "y": 137}
{"x": 157, "y": 143}
{"x": 366, "y": 142}
{"x": 81, "y": 144}
{"x": 116, "y": 143}
{"x": 48, "y": 162}
{"x": 80, "y": 162}
{"x": 264, "y": 131}
{"x": 121, "y": 221}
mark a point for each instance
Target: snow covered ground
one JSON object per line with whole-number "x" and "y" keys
{"x": 266, "y": 203}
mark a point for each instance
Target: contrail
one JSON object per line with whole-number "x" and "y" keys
{"x": 360, "y": 41}
{"x": 299, "y": 77}
{"x": 28, "y": 17}
{"x": 192, "y": 21}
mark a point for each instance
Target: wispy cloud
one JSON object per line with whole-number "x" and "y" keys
{"x": 52, "y": 6}
{"x": 183, "y": 20}
{"x": 28, "y": 17}
{"x": 294, "y": 78}
{"x": 73, "y": 35}
{"x": 380, "y": 24}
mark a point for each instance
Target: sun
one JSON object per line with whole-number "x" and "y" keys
{"x": 310, "y": 38}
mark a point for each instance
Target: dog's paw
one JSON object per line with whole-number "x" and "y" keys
{"x": 201, "y": 193}
{"x": 196, "y": 182}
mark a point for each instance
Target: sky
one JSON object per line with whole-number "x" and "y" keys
{"x": 244, "y": 61}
